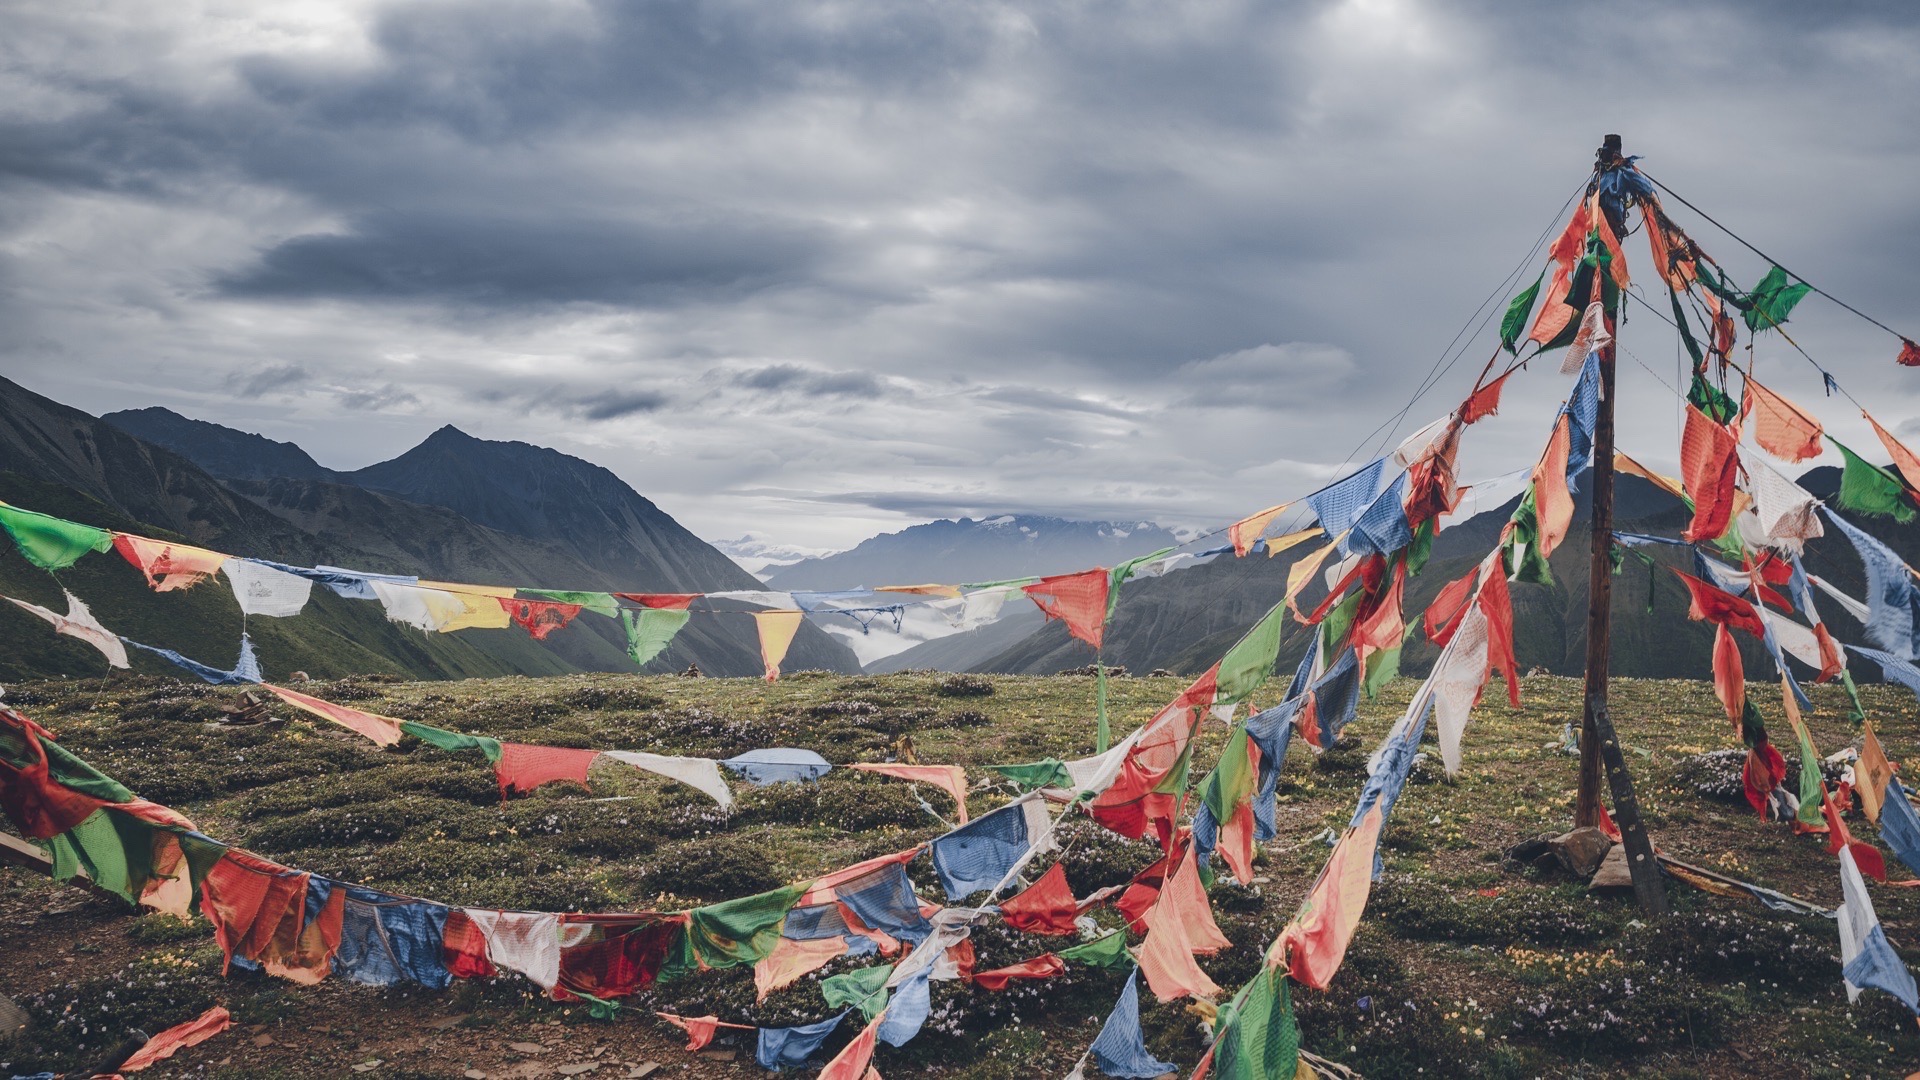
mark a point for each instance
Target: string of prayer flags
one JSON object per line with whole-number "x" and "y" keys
{"x": 776, "y": 636}
{"x": 1079, "y": 600}
{"x": 79, "y": 623}
{"x": 264, "y": 589}
{"x": 1780, "y": 427}
{"x": 1709, "y": 465}
{"x": 951, "y": 779}
{"x": 51, "y": 543}
{"x": 1866, "y": 488}
{"x": 168, "y": 566}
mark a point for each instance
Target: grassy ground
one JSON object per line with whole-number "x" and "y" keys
{"x": 1464, "y": 965}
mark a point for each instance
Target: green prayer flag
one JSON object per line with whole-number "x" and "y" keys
{"x": 1518, "y": 309}
{"x": 597, "y": 602}
{"x": 1383, "y": 666}
{"x": 1715, "y": 403}
{"x": 1109, "y": 951}
{"x": 1810, "y": 779}
{"x": 1859, "y": 715}
{"x": 1123, "y": 573}
{"x": 62, "y": 767}
{"x": 1251, "y": 660}
{"x": 1686, "y": 332}
{"x": 1866, "y": 488}
{"x": 1049, "y": 772}
{"x": 650, "y": 630}
{"x": 1259, "y": 1038}
{"x": 51, "y": 543}
{"x": 1773, "y": 299}
{"x": 1232, "y": 780}
{"x": 864, "y": 989}
{"x": 1526, "y": 538}
{"x": 732, "y": 932}
{"x": 1421, "y": 549}
{"x": 1338, "y": 623}
{"x": 114, "y": 849}
{"x": 453, "y": 740}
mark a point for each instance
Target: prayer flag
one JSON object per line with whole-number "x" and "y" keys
{"x": 790, "y": 1047}
{"x": 1244, "y": 532}
{"x": 1044, "y": 966}
{"x": 1866, "y": 488}
{"x": 1871, "y": 775}
{"x": 51, "y": 543}
{"x": 986, "y": 851}
{"x": 856, "y": 1058}
{"x": 660, "y": 601}
{"x": 384, "y": 730}
{"x": 1893, "y": 602}
{"x": 266, "y": 590}
{"x": 1782, "y": 428}
{"x": 651, "y": 630}
{"x": 1121, "y": 1048}
{"x": 179, "y": 1037}
{"x": 700, "y": 774}
{"x": 778, "y": 765}
{"x": 167, "y": 565}
{"x": 1709, "y": 463}
{"x": 1315, "y": 942}
{"x": 538, "y": 617}
{"x": 1866, "y": 958}
{"x": 1045, "y": 907}
{"x": 1250, "y": 661}
{"x": 777, "y": 629}
{"x": 1553, "y": 502}
{"x": 1905, "y": 463}
{"x": 522, "y": 767}
{"x": 79, "y": 623}
{"x": 1485, "y": 401}
{"x": 1079, "y": 600}
{"x": 951, "y": 779}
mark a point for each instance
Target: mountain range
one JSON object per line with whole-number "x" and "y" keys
{"x": 460, "y": 508}
{"x": 454, "y": 508}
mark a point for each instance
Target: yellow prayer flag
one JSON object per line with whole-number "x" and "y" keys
{"x": 776, "y": 634}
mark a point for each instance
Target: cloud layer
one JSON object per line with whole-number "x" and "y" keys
{"x": 815, "y": 269}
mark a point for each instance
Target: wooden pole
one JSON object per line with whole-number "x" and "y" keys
{"x": 1598, "y": 744}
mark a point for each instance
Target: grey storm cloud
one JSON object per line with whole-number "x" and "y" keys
{"x": 1171, "y": 261}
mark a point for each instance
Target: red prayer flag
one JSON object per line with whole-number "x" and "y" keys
{"x": 1551, "y": 499}
{"x": 1315, "y": 942}
{"x": 855, "y": 1060}
{"x": 168, "y": 566}
{"x": 1449, "y": 608}
{"x": 1782, "y": 428}
{"x": 522, "y": 768}
{"x": 1566, "y": 250}
{"x": 179, "y": 1037}
{"x": 1764, "y": 770}
{"x": 1866, "y": 856}
{"x": 1709, "y": 466}
{"x": 1496, "y": 603}
{"x": 661, "y": 600}
{"x": 1713, "y": 604}
{"x": 539, "y": 617}
{"x": 1729, "y": 676}
{"x": 1045, "y": 907}
{"x": 1905, "y": 463}
{"x": 1909, "y": 354}
{"x": 1079, "y": 600}
{"x": 1485, "y": 401}
{"x": 1131, "y": 801}
{"x": 1044, "y": 966}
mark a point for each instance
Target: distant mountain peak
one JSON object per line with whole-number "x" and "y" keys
{"x": 225, "y": 452}
{"x": 976, "y": 549}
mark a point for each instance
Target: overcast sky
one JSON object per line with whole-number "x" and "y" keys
{"x": 817, "y": 270}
